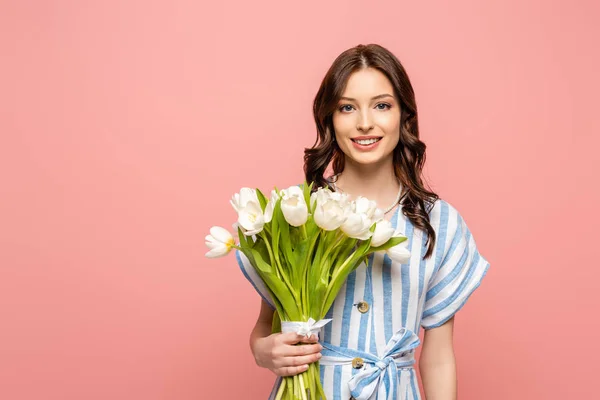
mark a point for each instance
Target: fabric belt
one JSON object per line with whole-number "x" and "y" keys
{"x": 379, "y": 374}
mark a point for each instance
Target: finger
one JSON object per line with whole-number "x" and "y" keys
{"x": 301, "y": 360}
{"x": 311, "y": 339}
{"x": 290, "y": 338}
{"x": 291, "y": 371}
{"x": 301, "y": 350}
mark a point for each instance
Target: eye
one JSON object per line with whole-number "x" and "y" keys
{"x": 385, "y": 107}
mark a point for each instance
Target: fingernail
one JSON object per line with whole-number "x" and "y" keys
{"x": 319, "y": 355}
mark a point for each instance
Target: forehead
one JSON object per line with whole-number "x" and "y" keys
{"x": 366, "y": 83}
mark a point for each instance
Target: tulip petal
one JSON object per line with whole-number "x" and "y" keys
{"x": 221, "y": 234}
{"x": 218, "y": 252}
{"x": 399, "y": 253}
{"x": 213, "y": 245}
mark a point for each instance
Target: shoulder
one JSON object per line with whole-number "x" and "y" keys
{"x": 443, "y": 211}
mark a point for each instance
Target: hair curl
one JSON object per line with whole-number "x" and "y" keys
{"x": 409, "y": 154}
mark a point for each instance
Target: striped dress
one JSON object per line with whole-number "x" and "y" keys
{"x": 379, "y": 311}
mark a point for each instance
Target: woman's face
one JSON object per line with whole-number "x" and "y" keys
{"x": 367, "y": 110}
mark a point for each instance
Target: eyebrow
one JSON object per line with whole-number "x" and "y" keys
{"x": 372, "y": 98}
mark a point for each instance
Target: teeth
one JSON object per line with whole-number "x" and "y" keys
{"x": 366, "y": 142}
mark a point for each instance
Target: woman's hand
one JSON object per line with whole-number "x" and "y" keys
{"x": 279, "y": 353}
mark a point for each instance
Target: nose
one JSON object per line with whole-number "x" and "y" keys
{"x": 365, "y": 123}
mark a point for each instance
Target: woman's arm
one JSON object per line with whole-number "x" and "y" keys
{"x": 262, "y": 328}
{"x": 437, "y": 364}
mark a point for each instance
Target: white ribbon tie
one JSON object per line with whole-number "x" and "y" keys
{"x": 306, "y": 328}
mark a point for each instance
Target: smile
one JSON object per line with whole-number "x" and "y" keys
{"x": 366, "y": 142}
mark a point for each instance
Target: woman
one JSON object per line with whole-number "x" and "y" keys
{"x": 366, "y": 119}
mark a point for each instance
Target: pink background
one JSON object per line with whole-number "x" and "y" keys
{"x": 127, "y": 125}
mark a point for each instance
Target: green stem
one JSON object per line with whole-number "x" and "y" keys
{"x": 296, "y": 386}
{"x": 281, "y": 390}
{"x": 312, "y": 380}
{"x": 306, "y": 266}
{"x": 302, "y": 387}
{"x": 271, "y": 256}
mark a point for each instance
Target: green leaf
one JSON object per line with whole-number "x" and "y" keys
{"x": 285, "y": 243}
{"x": 260, "y": 263}
{"x": 277, "y": 287}
{"x": 275, "y": 230}
{"x": 261, "y": 199}
{"x": 341, "y": 273}
{"x": 285, "y": 296}
{"x": 306, "y": 191}
{"x": 317, "y": 296}
{"x": 242, "y": 238}
{"x": 276, "y": 323}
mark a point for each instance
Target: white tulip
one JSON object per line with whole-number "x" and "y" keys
{"x": 360, "y": 219}
{"x": 357, "y": 226}
{"x": 251, "y": 218}
{"x": 330, "y": 210}
{"x": 250, "y": 214}
{"x": 378, "y": 215}
{"x": 294, "y": 206}
{"x": 383, "y": 232}
{"x": 399, "y": 252}
{"x": 220, "y": 242}
{"x": 369, "y": 208}
{"x": 271, "y": 206}
{"x": 241, "y": 199}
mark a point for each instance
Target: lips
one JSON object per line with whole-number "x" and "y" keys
{"x": 367, "y": 145}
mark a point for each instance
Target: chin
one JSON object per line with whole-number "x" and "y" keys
{"x": 368, "y": 160}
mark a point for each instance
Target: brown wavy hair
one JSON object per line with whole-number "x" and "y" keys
{"x": 409, "y": 154}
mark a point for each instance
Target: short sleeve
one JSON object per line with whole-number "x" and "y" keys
{"x": 251, "y": 274}
{"x": 459, "y": 273}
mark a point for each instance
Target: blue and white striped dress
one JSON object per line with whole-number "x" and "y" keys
{"x": 402, "y": 298}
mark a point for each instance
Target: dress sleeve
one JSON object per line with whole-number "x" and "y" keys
{"x": 251, "y": 274}
{"x": 458, "y": 274}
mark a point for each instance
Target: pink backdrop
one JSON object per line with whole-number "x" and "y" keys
{"x": 127, "y": 125}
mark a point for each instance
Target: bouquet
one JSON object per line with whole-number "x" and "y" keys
{"x": 303, "y": 245}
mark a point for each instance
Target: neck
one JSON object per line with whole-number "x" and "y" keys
{"x": 376, "y": 182}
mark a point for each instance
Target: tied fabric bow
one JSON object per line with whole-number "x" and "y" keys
{"x": 307, "y": 328}
{"x": 365, "y": 383}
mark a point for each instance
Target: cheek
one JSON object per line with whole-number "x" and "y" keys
{"x": 390, "y": 123}
{"x": 342, "y": 124}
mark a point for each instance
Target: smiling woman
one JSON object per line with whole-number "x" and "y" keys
{"x": 367, "y": 129}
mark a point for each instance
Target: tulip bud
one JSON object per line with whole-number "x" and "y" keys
{"x": 293, "y": 206}
{"x": 220, "y": 242}
{"x": 330, "y": 212}
{"x": 399, "y": 253}
{"x": 271, "y": 206}
{"x": 251, "y": 218}
{"x": 383, "y": 232}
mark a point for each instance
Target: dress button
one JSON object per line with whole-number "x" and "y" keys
{"x": 362, "y": 306}
{"x": 357, "y": 363}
